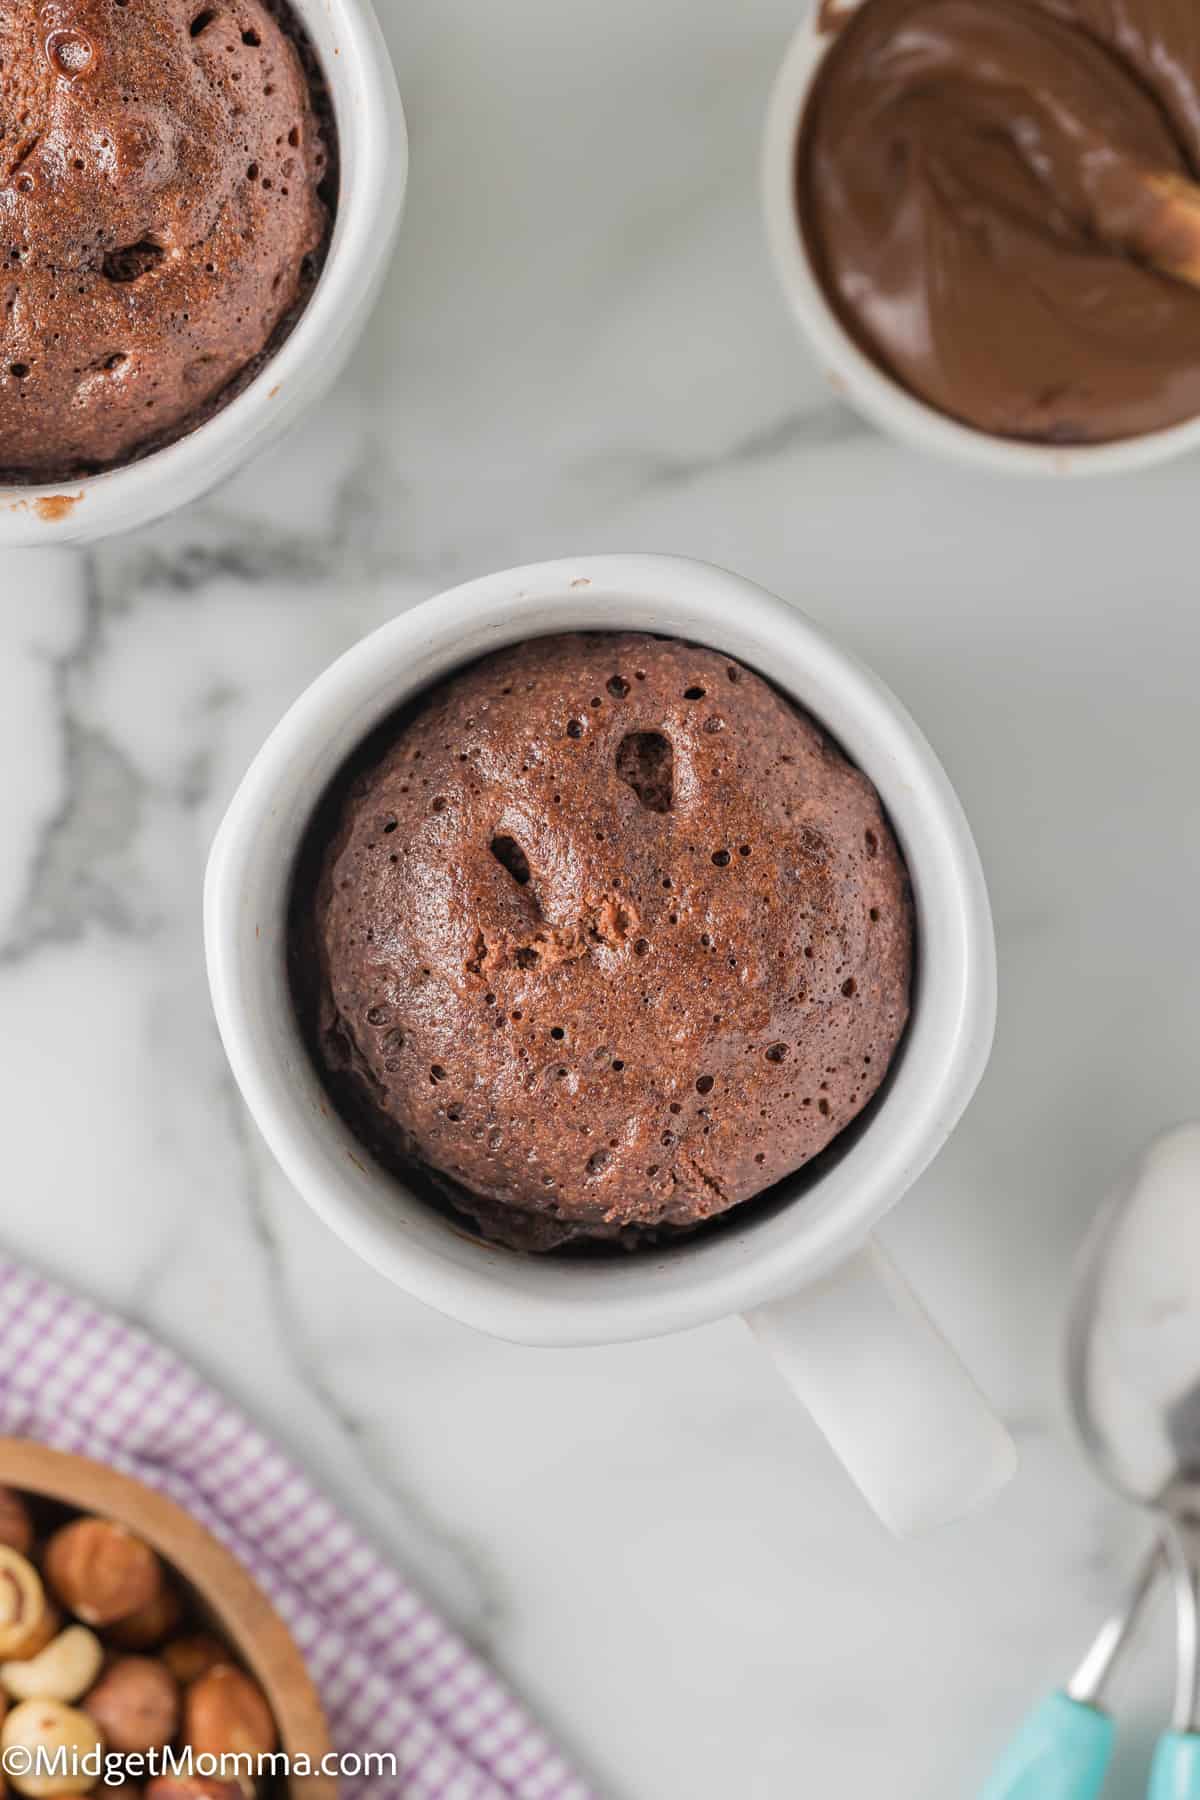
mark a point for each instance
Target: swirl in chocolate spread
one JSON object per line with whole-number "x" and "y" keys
{"x": 971, "y": 186}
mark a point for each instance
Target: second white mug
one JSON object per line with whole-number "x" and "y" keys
{"x": 856, "y": 1346}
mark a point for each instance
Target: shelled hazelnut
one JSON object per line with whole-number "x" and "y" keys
{"x": 192, "y": 1787}
{"x": 225, "y": 1713}
{"x": 190, "y": 1657}
{"x": 136, "y": 1703}
{"x": 101, "y": 1572}
{"x": 151, "y": 1624}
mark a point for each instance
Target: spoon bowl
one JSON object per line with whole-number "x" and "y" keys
{"x": 1133, "y": 1381}
{"x": 1133, "y": 1333}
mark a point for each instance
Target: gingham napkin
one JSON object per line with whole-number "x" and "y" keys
{"x": 392, "y": 1676}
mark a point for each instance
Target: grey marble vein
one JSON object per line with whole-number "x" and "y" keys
{"x": 71, "y": 882}
{"x": 218, "y": 542}
{"x": 807, "y": 428}
{"x": 476, "y": 1568}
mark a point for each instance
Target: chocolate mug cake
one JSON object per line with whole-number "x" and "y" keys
{"x": 604, "y": 935}
{"x": 164, "y": 187}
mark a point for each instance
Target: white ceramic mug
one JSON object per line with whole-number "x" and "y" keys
{"x": 373, "y": 174}
{"x": 898, "y": 1408}
{"x": 849, "y": 370}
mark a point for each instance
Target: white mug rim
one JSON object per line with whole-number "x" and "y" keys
{"x": 751, "y": 1260}
{"x": 848, "y": 369}
{"x": 373, "y": 159}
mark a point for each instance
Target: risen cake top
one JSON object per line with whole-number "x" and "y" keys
{"x": 159, "y": 164}
{"x": 612, "y": 937}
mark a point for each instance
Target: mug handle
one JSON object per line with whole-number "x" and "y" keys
{"x": 888, "y": 1392}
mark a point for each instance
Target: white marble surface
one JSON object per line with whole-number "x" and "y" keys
{"x": 581, "y": 348}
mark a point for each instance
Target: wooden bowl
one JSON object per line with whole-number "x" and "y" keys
{"x": 239, "y": 1610}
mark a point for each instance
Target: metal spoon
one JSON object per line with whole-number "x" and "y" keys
{"x": 1133, "y": 1377}
{"x": 1176, "y": 1771}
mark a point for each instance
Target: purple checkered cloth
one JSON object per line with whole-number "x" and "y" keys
{"x": 392, "y": 1676}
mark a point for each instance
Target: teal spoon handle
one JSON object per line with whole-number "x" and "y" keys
{"x": 1062, "y": 1752}
{"x": 1176, "y": 1771}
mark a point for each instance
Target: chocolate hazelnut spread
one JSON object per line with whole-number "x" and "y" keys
{"x": 971, "y": 185}
{"x": 606, "y": 935}
{"x": 159, "y": 170}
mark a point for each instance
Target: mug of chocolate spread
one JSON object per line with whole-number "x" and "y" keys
{"x": 952, "y": 193}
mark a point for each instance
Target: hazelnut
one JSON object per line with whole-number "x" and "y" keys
{"x": 22, "y": 1599}
{"x": 151, "y": 1623}
{"x": 101, "y": 1572}
{"x": 136, "y": 1704}
{"x": 192, "y": 1787}
{"x": 65, "y": 1669}
{"x": 16, "y": 1525}
{"x": 190, "y": 1657}
{"x": 226, "y": 1714}
{"x": 51, "y": 1726}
